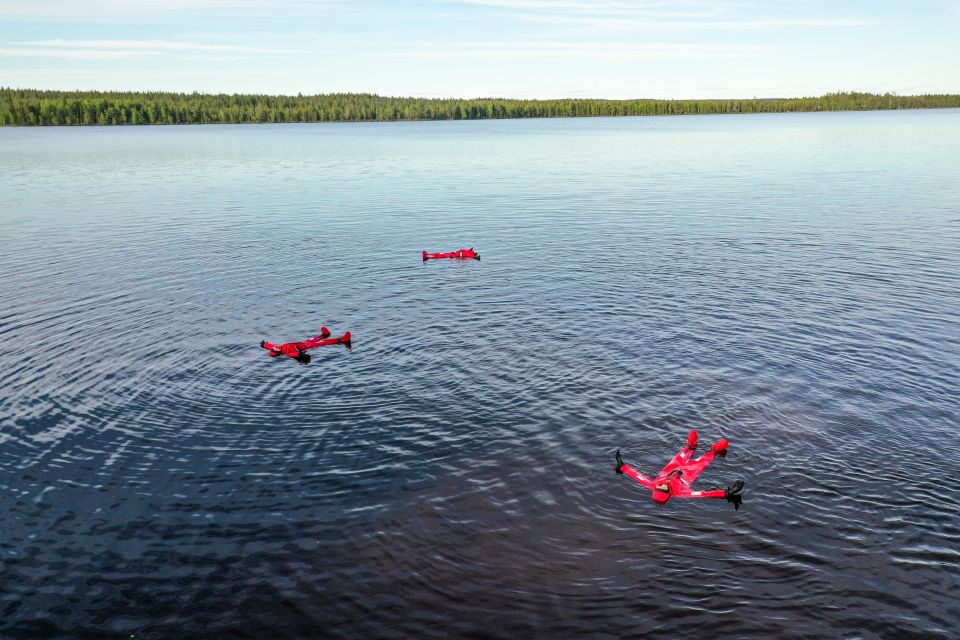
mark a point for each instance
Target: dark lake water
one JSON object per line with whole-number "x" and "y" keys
{"x": 790, "y": 282}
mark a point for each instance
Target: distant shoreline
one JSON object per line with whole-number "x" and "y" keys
{"x": 27, "y": 107}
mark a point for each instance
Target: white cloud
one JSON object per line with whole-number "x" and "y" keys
{"x": 77, "y": 54}
{"x": 639, "y": 24}
{"x": 591, "y": 6}
{"x": 152, "y": 45}
{"x": 665, "y": 15}
{"x": 578, "y": 50}
{"x": 146, "y": 10}
{"x": 572, "y": 7}
{"x": 127, "y": 49}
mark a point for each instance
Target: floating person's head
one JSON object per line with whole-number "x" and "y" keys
{"x": 303, "y": 357}
{"x": 661, "y": 493}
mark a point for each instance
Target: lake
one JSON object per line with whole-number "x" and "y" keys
{"x": 788, "y": 281}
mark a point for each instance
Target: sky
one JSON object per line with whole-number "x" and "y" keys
{"x": 484, "y": 48}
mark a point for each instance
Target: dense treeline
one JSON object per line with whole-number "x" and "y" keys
{"x": 30, "y": 107}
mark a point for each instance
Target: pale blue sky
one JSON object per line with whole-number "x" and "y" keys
{"x": 471, "y": 48}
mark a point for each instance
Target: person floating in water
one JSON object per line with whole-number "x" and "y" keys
{"x": 298, "y": 350}
{"x": 462, "y": 254}
{"x": 676, "y": 478}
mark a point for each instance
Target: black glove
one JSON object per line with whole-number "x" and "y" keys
{"x": 732, "y": 494}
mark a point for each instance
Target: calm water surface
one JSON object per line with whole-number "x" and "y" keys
{"x": 790, "y": 282}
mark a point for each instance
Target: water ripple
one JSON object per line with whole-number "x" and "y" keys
{"x": 452, "y": 473}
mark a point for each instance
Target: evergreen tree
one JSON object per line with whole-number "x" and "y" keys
{"x": 30, "y": 107}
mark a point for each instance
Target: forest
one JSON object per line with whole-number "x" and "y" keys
{"x": 33, "y": 107}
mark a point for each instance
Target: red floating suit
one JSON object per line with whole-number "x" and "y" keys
{"x": 462, "y": 254}
{"x": 296, "y": 350}
{"x": 675, "y": 479}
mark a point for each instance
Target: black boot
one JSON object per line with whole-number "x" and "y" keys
{"x": 619, "y": 463}
{"x": 732, "y": 494}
